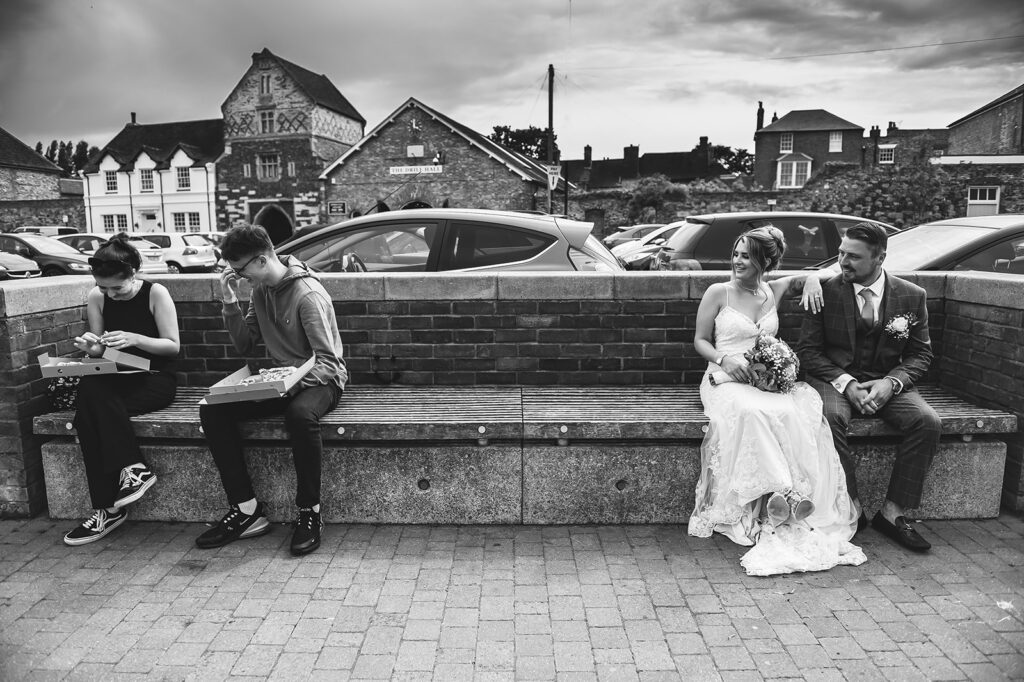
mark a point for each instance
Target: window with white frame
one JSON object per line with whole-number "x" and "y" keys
{"x": 269, "y": 166}
{"x": 793, "y": 173}
{"x": 108, "y": 223}
{"x": 835, "y": 141}
{"x": 179, "y": 221}
{"x": 146, "y": 180}
{"x": 266, "y": 122}
{"x": 193, "y": 221}
{"x": 786, "y": 143}
{"x": 247, "y": 170}
{"x": 111, "y": 179}
{"x": 184, "y": 176}
{"x": 982, "y": 200}
{"x": 122, "y": 222}
{"x": 887, "y": 153}
{"x": 265, "y": 84}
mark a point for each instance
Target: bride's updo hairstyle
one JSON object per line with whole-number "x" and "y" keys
{"x": 766, "y": 246}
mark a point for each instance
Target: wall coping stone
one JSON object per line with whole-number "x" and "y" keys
{"x": 69, "y": 291}
{"x": 995, "y": 289}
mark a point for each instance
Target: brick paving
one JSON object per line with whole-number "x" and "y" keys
{"x": 503, "y": 603}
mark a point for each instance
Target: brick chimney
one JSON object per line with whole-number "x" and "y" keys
{"x": 874, "y": 133}
{"x": 587, "y": 153}
{"x": 133, "y": 118}
{"x": 705, "y": 152}
{"x": 891, "y": 130}
{"x": 775, "y": 116}
{"x": 631, "y": 157}
{"x": 760, "y": 116}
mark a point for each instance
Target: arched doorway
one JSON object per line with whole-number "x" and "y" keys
{"x": 417, "y": 204}
{"x": 275, "y": 221}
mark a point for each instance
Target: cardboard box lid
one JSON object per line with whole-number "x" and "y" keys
{"x": 51, "y": 367}
{"x": 126, "y": 359}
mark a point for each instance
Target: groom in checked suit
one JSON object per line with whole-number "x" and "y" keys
{"x": 864, "y": 351}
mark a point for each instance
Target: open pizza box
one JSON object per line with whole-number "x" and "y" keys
{"x": 234, "y": 387}
{"x": 111, "y": 363}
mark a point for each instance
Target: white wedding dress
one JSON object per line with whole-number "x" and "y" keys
{"x": 759, "y": 443}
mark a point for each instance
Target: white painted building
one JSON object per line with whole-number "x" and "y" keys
{"x": 155, "y": 178}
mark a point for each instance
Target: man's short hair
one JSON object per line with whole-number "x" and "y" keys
{"x": 245, "y": 241}
{"x": 872, "y": 234}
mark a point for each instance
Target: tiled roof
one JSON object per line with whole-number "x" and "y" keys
{"x": 16, "y": 154}
{"x": 807, "y": 120}
{"x": 997, "y": 101}
{"x": 318, "y": 86}
{"x": 522, "y": 165}
{"x": 202, "y": 140}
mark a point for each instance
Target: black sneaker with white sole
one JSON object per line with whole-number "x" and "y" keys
{"x": 95, "y": 527}
{"x": 235, "y": 525}
{"x": 135, "y": 481}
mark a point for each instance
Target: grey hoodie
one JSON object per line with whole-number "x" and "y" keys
{"x": 295, "y": 320}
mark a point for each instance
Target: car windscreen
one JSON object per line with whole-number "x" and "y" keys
{"x": 48, "y": 245}
{"x": 915, "y": 248}
{"x": 685, "y": 237}
{"x": 195, "y": 240}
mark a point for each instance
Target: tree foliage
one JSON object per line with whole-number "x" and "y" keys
{"x": 69, "y": 157}
{"x": 531, "y": 142}
{"x": 647, "y": 197}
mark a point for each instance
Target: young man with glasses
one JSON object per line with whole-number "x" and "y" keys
{"x": 292, "y": 314}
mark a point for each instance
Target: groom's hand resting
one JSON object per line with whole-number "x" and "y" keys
{"x": 879, "y": 393}
{"x": 858, "y": 395}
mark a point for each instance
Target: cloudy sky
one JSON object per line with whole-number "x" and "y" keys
{"x": 655, "y": 73}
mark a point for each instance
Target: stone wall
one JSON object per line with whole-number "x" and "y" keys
{"x": 19, "y": 183}
{"x": 42, "y": 212}
{"x": 507, "y": 328}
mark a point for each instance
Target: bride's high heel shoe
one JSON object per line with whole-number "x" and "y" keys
{"x": 778, "y": 509}
{"x": 800, "y": 506}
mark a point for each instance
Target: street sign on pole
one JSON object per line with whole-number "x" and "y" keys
{"x": 553, "y": 174}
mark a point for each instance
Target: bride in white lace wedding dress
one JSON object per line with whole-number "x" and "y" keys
{"x": 759, "y": 443}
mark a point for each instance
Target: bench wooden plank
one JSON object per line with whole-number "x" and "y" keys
{"x": 675, "y": 413}
{"x": 364, "y": 413}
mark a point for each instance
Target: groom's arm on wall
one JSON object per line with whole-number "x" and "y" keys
{"x": 917, "y": 353}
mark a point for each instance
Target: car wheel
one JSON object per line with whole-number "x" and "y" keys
{"x": 174, "y": 268}
{"x": 52, "y": 271}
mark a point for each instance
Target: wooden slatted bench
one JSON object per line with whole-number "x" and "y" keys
{"x": 507, "y": 454}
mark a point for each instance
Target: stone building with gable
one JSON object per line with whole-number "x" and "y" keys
{"x": 283, "y": 124}
{"x": 789, "y": 150}
{"x": 418, "y": 157}
{"x": 32, "y": 191}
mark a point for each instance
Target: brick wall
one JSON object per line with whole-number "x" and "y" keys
{"x": 509, "y": 328}
{"x": 813, "y": 143}
{"x": 470, "y": 177}
{"x": 996, "y": 131}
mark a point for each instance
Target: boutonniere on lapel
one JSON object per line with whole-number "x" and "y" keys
{"x": 899, "y": 326}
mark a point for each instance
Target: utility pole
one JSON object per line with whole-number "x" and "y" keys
{"x": 551, "y": 126}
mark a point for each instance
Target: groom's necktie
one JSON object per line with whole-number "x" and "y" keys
{"x": 867, "y": 311}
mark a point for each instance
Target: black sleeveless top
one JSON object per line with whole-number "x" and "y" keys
{"x": 133, "y": 315}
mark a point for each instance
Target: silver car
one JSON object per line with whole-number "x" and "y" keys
{"x": 184, "y": 251}
{"x": 87, "y": 242}
{"x": 447, "y": 239}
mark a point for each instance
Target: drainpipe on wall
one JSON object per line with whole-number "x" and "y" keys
{"x": 88, "y": 204}
{"x": 131, "y": 206}
{"x": 210, "y": 196}
{"x": 163, "y": 209}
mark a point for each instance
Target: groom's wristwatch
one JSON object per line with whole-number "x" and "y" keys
{"x": 897, "y": 385}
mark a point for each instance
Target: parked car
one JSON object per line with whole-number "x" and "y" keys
{"x": 704, "y": 242}
{"x": 184, "y": 251}
{"x": 627, "y": 233}
{"x": 637, "y": 254}
{"x": 152, "y": 255}
{"x": 442, "y": 239}
{"x": 46, "y": 230}
{"x": 992, "y": 243}
{"x": 17, "y": 267}
{"x": 52, "y": 257}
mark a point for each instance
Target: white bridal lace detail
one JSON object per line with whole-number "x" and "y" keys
{"x": 759, "y": 443}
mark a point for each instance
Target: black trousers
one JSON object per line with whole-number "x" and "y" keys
{"x": 302, "y": 414}
{"x": 105, "y": 435}
{"x": 912, "y": 416}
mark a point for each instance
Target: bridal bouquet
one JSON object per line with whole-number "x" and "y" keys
{"x": 773, "y": 363}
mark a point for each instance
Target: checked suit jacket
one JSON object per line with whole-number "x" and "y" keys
{"x": 827, "y": 347}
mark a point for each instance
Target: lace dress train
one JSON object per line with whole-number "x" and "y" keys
{"x": 760, "y": 443}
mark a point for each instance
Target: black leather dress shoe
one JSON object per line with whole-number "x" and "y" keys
{"x": 901, "y": 531}
{"x": 862, "y": 522}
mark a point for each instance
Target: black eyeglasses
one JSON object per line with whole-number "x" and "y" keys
{"x": 241, "y": 270}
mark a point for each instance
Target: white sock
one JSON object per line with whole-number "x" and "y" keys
{"x": 113, "y": 510}
{"x": 248, "y": 507}
{"x": 316, "y": 508}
